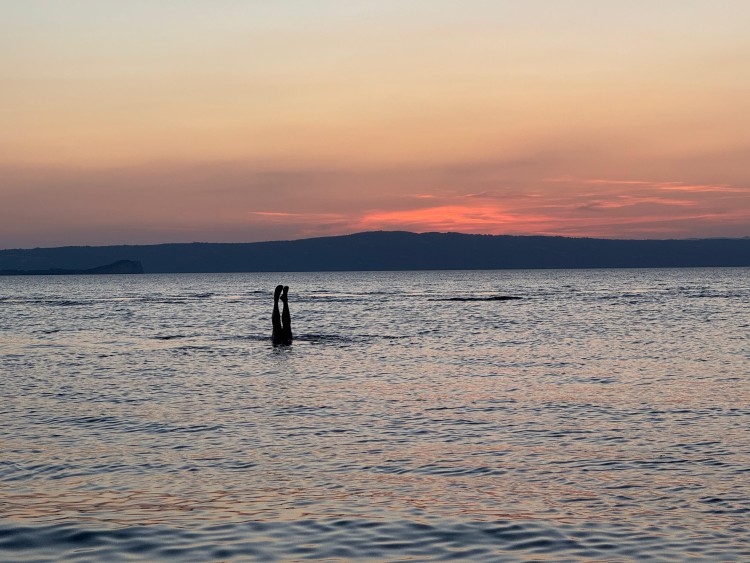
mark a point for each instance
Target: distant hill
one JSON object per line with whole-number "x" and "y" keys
{"x": 119, "y": 267}
{"x": 389, "y": 250}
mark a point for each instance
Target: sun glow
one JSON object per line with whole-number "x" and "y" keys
{"x": 142, "y": 122}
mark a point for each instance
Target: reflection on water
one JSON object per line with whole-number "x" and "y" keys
{"x": 603, "y": 416}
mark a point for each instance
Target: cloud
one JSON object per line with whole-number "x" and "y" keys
{"x": 600, "y": 182}
{"x": 621, "y": 201}
{"x": 462, "y": 218}
{"x": 700, "y": 188}
{"x": 668, "y": 186}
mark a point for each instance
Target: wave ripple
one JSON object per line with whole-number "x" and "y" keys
{"x": 602, "y": 416}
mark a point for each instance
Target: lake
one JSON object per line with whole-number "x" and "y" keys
{"x": 602, "y": 414}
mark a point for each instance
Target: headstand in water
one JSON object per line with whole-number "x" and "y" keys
{"x": 282, "y": 335}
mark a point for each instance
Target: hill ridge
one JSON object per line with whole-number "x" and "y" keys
{"x": 393, "y": 250}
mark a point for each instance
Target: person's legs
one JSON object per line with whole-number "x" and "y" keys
{"x": 277, "y": 336}
{"x": 286, "y": 317}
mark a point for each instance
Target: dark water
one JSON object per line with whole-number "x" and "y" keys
{"x": 604, "y": 415}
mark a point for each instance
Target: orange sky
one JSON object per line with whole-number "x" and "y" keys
{"x": 157, "y": 121}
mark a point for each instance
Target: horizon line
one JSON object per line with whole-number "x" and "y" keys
{"x": 379, "y": 231}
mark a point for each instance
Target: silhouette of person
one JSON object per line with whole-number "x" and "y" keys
{"x": 282, "y": 334}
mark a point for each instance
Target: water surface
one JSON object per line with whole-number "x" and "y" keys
{"x": 422, "y": 415}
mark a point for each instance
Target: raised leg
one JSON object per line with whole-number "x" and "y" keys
{"x": 286, "y": 317}
{"x": 277, "y": 336}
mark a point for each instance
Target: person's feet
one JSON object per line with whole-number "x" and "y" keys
{"x": 277, "y": 293}
{"x": 284, "y": 294}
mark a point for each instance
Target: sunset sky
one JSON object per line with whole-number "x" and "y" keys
{"x": 146, "y": 121}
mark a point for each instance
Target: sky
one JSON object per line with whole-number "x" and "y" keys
{"x": 153, "y": 121}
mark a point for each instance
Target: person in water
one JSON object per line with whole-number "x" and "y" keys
{"x": 282, "y": 334}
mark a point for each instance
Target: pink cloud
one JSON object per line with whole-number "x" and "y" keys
{"x": 601, "y": 182}
{"x": 630, "y": 201}
{"x": 466, "y": 218}
{"x": 701, "y": 188}
{"x": 673, "y": 186}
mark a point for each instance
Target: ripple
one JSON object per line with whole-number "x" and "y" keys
{"x": 479, "y": 298}
{"x": 603, "y": 416}
{"x": 357, "y": 539}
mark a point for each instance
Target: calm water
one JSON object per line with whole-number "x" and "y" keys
{"x": 603, "y": 416}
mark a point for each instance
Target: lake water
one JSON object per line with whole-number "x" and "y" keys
{"x": 604, "y": 415}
